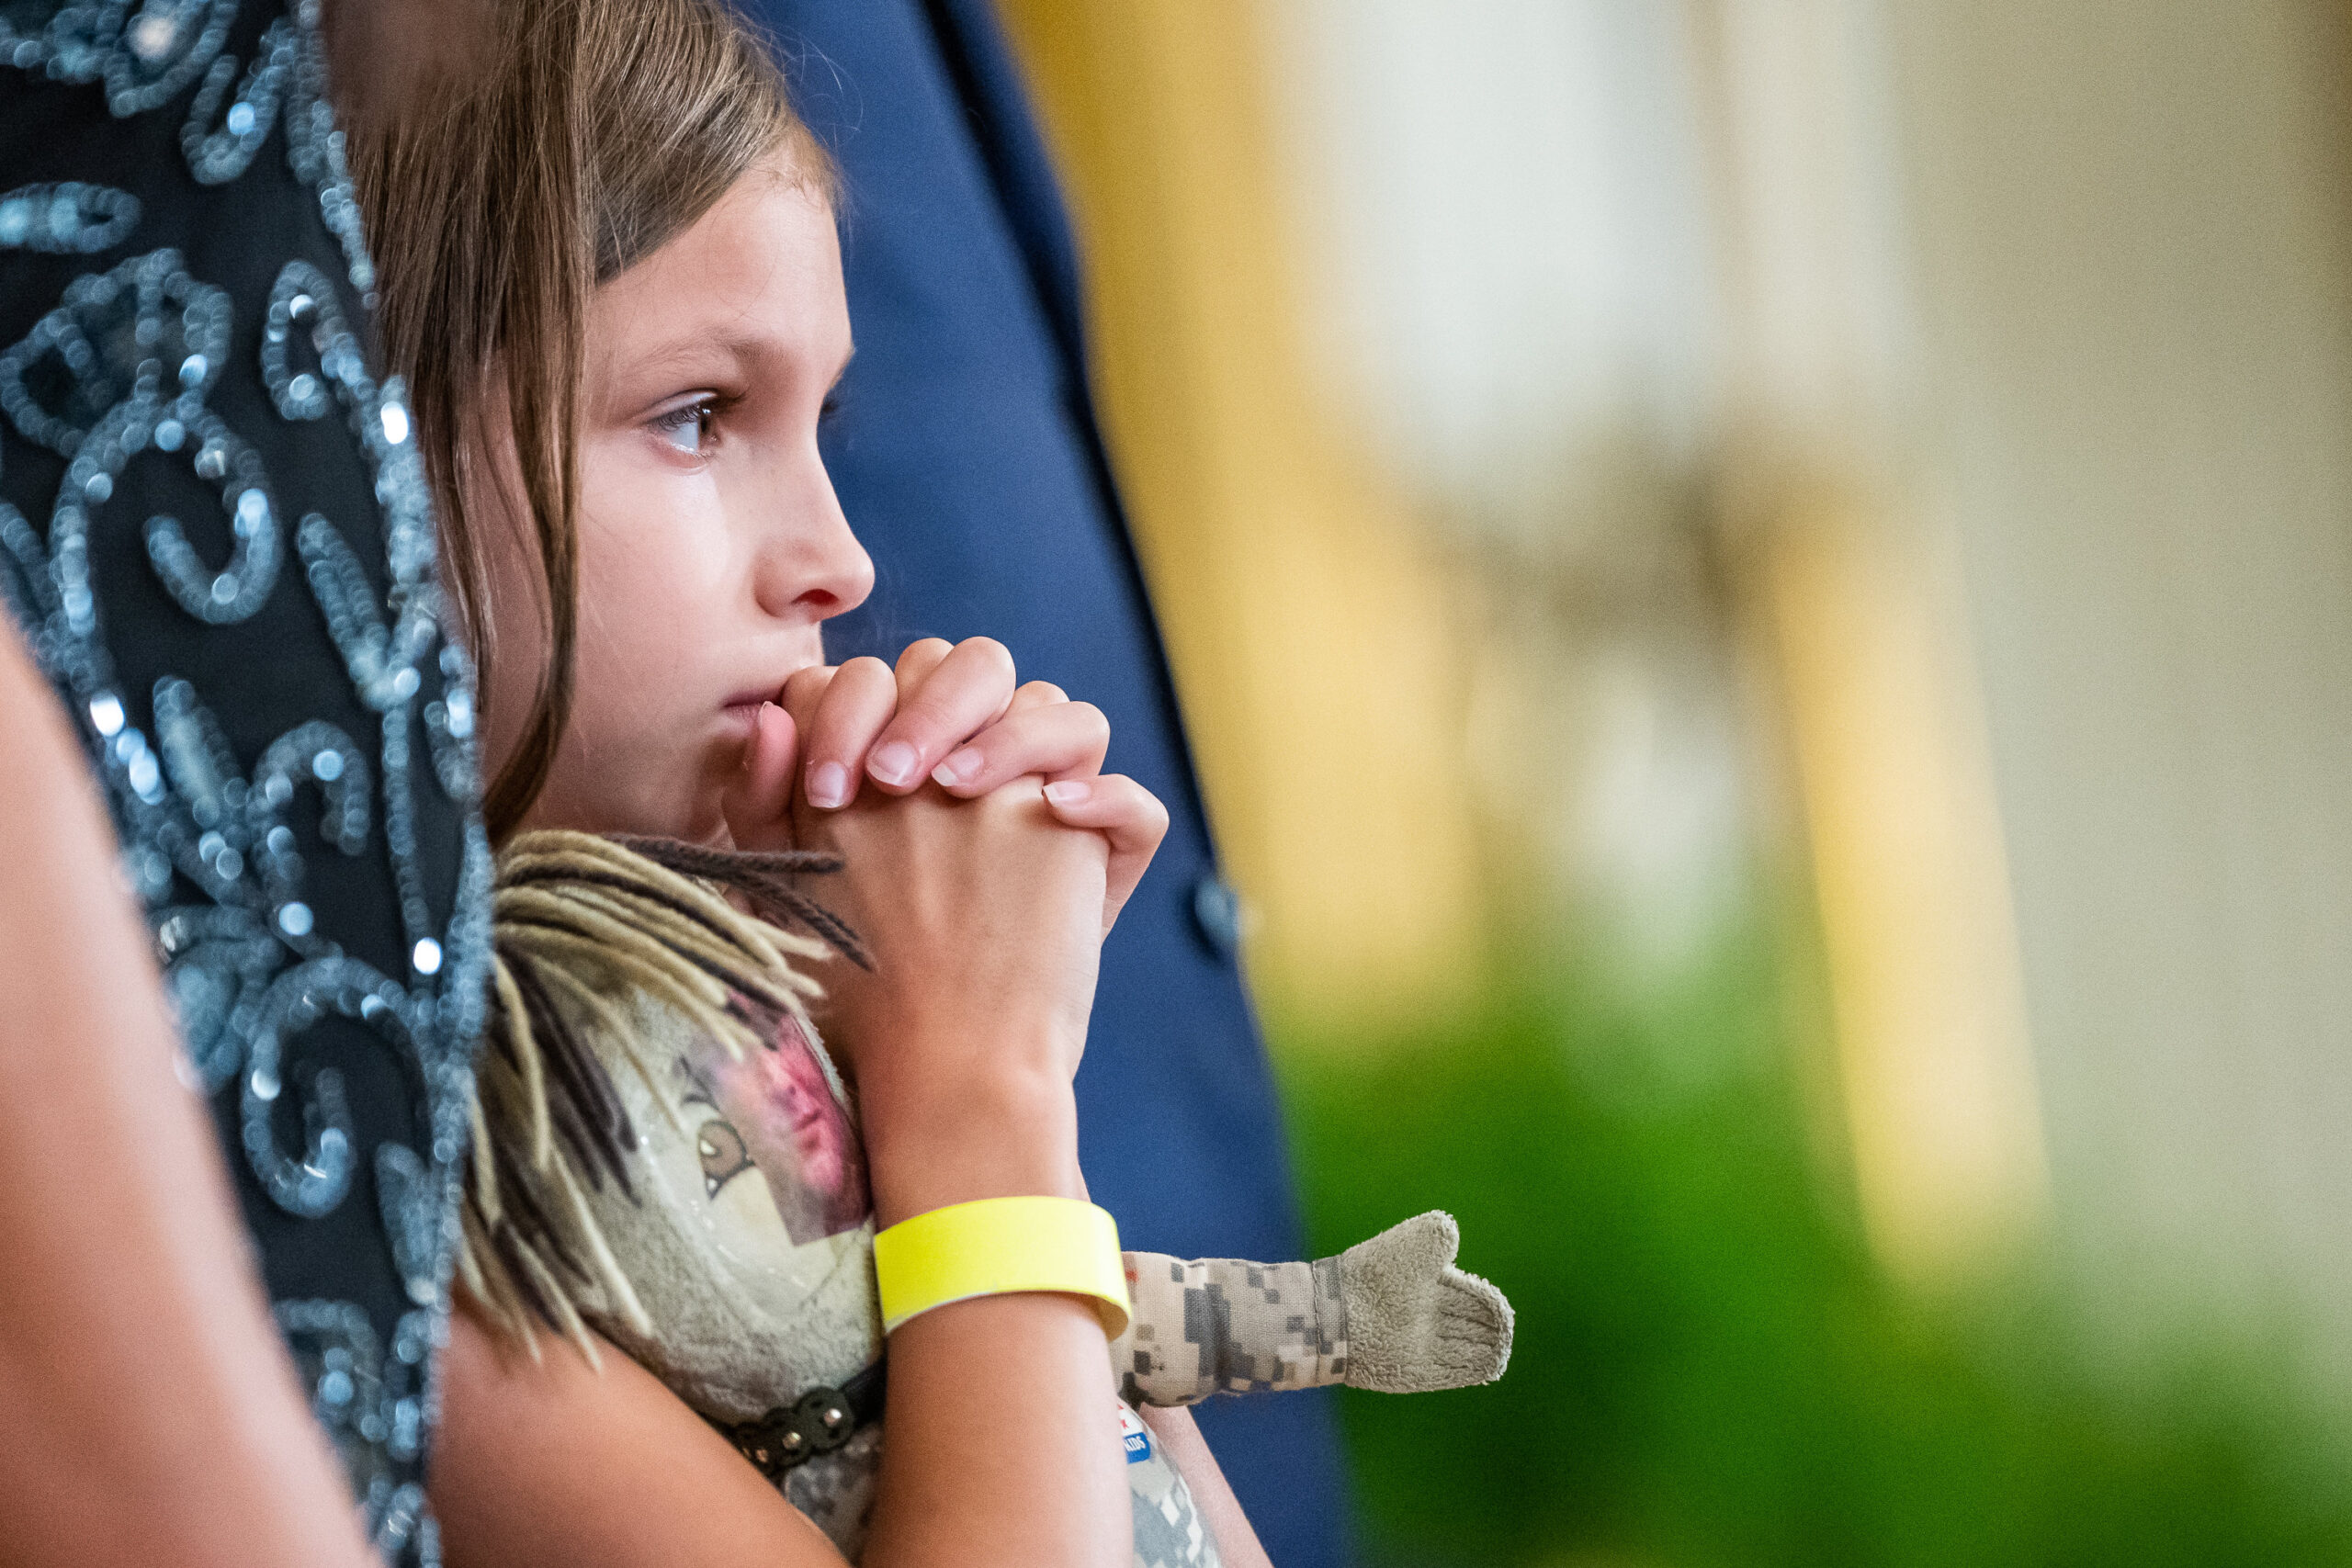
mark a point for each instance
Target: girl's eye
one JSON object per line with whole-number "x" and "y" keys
{"x": 687, "y": 427}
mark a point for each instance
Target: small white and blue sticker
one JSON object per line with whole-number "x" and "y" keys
{"x": 1134, "y": 1434}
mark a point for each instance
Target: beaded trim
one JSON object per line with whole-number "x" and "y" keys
{"x": 216, "y": 156}
{"x": 144, "y": 60}
{"x": 125, "y": 367}
{"x": 68, "y": 217}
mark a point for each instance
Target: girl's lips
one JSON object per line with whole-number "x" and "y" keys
{"x": 742, "y": 710}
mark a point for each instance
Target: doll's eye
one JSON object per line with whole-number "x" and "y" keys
{"x": 723, "y": 1156}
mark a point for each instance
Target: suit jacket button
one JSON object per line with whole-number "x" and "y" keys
{"x": 1217, "y": 910}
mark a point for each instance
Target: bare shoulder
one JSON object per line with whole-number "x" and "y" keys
{"x": 41, "y": 754}
{"x": 553, "y": 1462}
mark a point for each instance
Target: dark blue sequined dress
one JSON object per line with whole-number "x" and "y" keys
{"x": 215, "y": 537}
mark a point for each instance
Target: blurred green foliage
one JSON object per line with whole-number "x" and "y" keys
{"x": 1709, "y": 1369}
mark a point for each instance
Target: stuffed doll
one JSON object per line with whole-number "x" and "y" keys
{"x": 664, "y": 1153}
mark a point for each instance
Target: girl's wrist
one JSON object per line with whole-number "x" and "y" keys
{"x": 1000, "y": 1136}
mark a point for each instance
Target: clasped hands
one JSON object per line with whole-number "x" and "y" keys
{"x": 949, "y": 715}
{"x": 985, "y": 857}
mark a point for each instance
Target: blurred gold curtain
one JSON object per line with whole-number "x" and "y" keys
{"x": 1855, "y": 589}
{"x": 1305, "y": 619}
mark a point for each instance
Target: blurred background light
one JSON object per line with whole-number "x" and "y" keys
{"x": 1763, "y": 590}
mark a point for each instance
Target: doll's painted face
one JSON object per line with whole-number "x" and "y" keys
{"x": 747, "y": 1229}
{"x": 767, "y": 1125}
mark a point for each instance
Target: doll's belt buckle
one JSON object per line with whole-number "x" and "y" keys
{"x": 817, "y": 1423}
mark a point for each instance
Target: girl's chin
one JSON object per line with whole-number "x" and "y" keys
{"x": 698, "y": 821}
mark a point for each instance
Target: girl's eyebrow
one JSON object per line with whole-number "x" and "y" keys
{"x": 717, "y": 357}
{"x": 700, "y": 353}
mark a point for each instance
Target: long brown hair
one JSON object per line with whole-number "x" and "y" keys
{"x": 497, "y": 196}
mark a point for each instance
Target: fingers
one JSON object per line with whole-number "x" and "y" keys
{"x": 1037, "y": 694}
{"x": 921, "y": 656}
{"x": 802, "y": 688}
{"x": 1122, "y": 811}
{"x": 865, "y": 721}
{"x": 757, "y": 800}
{"x": 946, "y": 713}
{"x": 1056, "y": 739}
{"x": 839, "y": 713}
{"x": 961, "y": 692}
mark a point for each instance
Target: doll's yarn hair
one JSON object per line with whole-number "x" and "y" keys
{"x": 583, "y": 928}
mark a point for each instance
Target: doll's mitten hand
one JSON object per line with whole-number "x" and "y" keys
{"x": 1414, "y": 1321}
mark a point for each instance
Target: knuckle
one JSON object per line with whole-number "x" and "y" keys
{"x": 1042, "y": 692}
{"x": 928, "y": 710}
{"x": 1148, "y": 810}
{"x": 805, "y": 689}
{"x": 987, "y": 652}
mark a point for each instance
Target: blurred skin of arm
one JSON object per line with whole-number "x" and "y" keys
{"x": 1180, "y": 1440}
{"x": 151, "y": 1413}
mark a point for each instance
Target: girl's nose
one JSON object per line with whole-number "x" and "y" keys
{"x": 813, "y": 567}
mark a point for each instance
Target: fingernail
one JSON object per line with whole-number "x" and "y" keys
{"x": 959, "y": 766}
{"x": 1068, "y": 792}
{"x": 893, "y": 764}
{"x": 828, "y": 784}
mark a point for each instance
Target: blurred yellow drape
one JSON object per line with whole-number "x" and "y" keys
{"x": 1854, "y": 585}
{"x": 1934, "y": 1068}
{"x": 1304, "y": 619}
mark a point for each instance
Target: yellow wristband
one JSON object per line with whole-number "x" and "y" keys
{"x": 995, "y": 1246}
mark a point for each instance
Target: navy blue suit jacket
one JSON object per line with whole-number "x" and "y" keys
{"x": 967, "y": 456}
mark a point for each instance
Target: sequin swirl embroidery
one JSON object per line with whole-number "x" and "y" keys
{"x": 318, "y": 886}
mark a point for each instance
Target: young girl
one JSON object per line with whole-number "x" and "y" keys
{"x": 612, "y": 279}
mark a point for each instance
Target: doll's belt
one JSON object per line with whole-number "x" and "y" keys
{"x": 817, "y": 1423}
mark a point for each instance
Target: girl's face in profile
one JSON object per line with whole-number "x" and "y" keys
{"x": 711, "y": 545}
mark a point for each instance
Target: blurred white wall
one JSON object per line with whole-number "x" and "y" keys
{"x": 1509, "y": 200}
{"x": 1616, "y": 286}
{"x": 2031, "y": 324}
{"x": 1503, "y": 205}
{"x": 2135, "y": 283}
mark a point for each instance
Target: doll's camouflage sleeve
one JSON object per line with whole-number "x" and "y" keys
{"x": 1391, "y": 1314}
